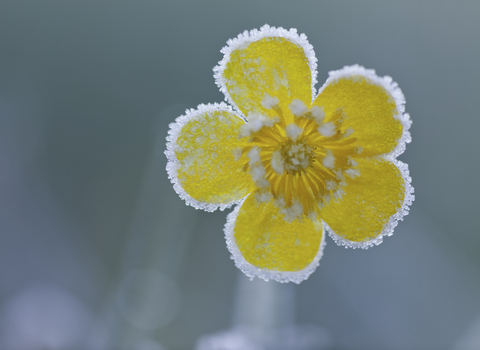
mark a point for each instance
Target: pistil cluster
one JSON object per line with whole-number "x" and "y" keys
{"x": 294, "y": 157}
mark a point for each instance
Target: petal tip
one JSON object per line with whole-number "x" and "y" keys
{"x": 247, "y": 37}
{"x": 173, "y": 164}
{"x": 252, "y": 271}
{"x": 392, "y": 223}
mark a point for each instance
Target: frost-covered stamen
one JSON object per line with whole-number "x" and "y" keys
{"x": 327, "y": 129}
{"x": 318, "y": 114}
{"x": 348, "y": 132}
{"x": 353, "y": 173}
{"x": 330, "y": 185}
{"x": 338, "y": 194}
{"x": 352, "y": 162}
{"x": 290, "y": 212}
{"x": 269, "y": 102}
{"x": 256, "y": 121}
{"x": 277, "y": 162}
{"x": 257, "y": 170}
{"x": 329, "y": 160}
{"x": 339, "y": 176}
{"x": 297, "y": 107}
{"x": 263, "y": 195}
{"x": 293, "y": 131}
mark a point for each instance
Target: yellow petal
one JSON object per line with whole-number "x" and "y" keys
{"x": 373, "y": 107}
{"x": 372, "y": 204}
{"x": 203, "y": 152}
{"x": 269, "y": 64}
{"x": 263, "y": 244}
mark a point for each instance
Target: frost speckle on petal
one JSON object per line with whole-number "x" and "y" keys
{"x": 327, "y": 129}
{"x": 293, "y": 131}
{"x": 297, "y": 107}
{"x": 237, "y": 153}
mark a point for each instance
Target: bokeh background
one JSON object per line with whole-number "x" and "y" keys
{"x": 98, "y": 252}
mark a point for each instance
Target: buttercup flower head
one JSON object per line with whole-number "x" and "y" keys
{"x": 295, "y": 162}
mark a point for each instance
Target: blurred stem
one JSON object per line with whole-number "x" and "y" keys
{"x": 263, "y": 306}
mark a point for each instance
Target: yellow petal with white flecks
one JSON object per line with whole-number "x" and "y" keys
{"x": 268, "y": 242}
{"x": 365, "y": 210}
{"x": 209, "y": 163}
{"x": 368, "y": 105}
{"x": 275, "y": 67}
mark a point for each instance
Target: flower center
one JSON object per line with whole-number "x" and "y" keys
{"x": 297, "y": 156}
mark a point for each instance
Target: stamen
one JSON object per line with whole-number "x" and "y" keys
{"x": 269, "y": 102}
{"x": 318, "y": 114}
{"x": 257, "y": 170}
{"x": 329, "y": 160}
{"x": 352, "y": 162}
{"x": 338, "y": 193}
{"x": 292, "y": 212}
{"x": 330, "y": 185}
{"x": 256, "y": 121}
{"x": 293, "y": 131}
{"x": 348, "y": 131}
{"x": 327, "y": 129}
{"x": 277, "y": 162}
{"x": 263, "y": 196}
{"x": 353, "y": 173}
{"x": 297, "y": 107}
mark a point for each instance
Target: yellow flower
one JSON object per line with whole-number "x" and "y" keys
{"x": 297, "y": 163}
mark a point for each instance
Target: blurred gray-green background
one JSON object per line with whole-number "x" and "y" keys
{"x": 98, "y": 252}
